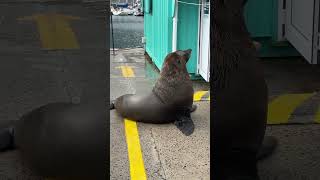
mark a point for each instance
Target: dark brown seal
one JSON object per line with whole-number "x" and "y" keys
{"x": 61, "y": 139}
{"x": 170, "y": 100}
{"x": 240, "y": 96}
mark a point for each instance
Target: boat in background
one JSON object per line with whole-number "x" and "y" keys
{"x": 120, "y": 5}
{"x": 123, "y": 9}
{"x": 138, "y": 13}
{"x": 138, "y": 8}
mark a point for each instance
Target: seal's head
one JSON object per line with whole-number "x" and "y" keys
{"x": 229, "y": 13}
{"x": 176, "y": 62}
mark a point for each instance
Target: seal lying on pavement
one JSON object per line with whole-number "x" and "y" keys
{"x": 171, "y": 99}
{"x": 60, "y": 139}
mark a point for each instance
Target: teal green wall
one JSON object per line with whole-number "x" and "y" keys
{"x": 188, "y": 31}
{"x": 158, "y": 30}
{"x": 261, "y": 18}
{"x": 262, "y": 22}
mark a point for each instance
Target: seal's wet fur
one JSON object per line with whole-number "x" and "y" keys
{"x": 170, "y": 100}
{"x": 240, "y": 96}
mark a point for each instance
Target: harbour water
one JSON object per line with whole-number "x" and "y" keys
{"x": 127, "y": 31}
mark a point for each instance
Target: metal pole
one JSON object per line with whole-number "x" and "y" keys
{"x": 112, "y": 33}
{"x": 175, "y": 27}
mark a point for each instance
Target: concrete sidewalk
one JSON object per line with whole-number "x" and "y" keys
{"x": 167, "y": 153}
{"x": 297, "y": 156}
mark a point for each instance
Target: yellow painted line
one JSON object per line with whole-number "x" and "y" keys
{"x": 55, "y": 30}
{"x": 127, "y": 71}
{"x": 317, "y": 116}
{"x": 199, "y": 96}
{"x": 137, "y": 170}
{"x": 281, "y": 108}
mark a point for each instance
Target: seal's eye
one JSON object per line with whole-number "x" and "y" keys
{"x": 179, "y": 61}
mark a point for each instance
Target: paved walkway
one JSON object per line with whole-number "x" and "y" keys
{"x": 165, "y": 152}
{"x": 49, "y": 53}
{"x": 40, "y": 65}
{"x": 294, "y": 88}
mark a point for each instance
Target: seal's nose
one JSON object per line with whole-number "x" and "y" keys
{"x": 188, "y": 53}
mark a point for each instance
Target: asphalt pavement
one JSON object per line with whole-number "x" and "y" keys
{"x": 49, "y": 52}
{"x": 297, "y": 128}
{"x": 56, "y": 52}
{"x": 166, "y": 153}
{"x": 293, "y": 118}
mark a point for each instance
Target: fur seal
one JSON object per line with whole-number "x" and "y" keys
{"x": 240, "y": 96}
{"x": 61, "y": 139}
{"x": 171, "y": 99}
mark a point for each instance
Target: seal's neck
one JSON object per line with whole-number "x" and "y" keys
{"x": 232, "y": 46}
{"x": 169, "y": 83}
{"x": 173, "y": 74}
{"x": 174, "y": 77}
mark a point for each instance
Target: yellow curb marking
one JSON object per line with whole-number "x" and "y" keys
{"x": 55, "y": 31}
{"x": 317, "y": 116}
{"x": 198, "y": 96}
{"x": 127, "y": 71}
{"x": 137, "y": 170}
{"x": 280, "y": 109}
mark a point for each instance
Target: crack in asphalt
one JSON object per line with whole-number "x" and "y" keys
{"x": 158, "y": 156}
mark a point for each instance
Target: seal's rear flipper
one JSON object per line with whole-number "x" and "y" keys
{"x": 268, "y": 145}
{"x": 184, "y": 122}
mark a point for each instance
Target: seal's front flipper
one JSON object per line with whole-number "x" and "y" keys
{"x": 184, "y": 123}
{"x": 193, "y": 108}
{"x": 268, "y": 145}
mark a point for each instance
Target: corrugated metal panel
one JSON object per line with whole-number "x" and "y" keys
{"x": 158, "y": 30}
{"x": 260, "y": 17}
{"x": 262, "y": 23}
{"x": 147, "y": 6}
{"x": 188, "y": 31}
